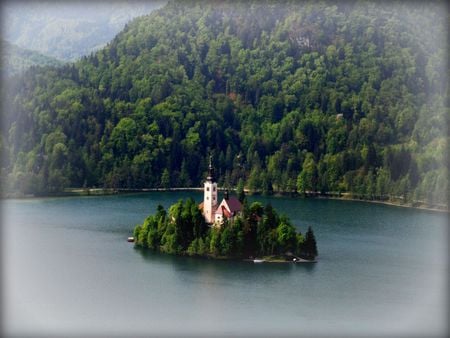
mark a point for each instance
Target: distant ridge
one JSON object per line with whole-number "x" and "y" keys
{"x": 68, "y": 30}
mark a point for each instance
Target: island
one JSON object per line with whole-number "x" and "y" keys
{"x": 232, "y": 229}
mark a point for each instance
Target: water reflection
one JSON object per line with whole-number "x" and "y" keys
{"x": 222, "y": 268}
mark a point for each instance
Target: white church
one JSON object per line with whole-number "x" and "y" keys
{"x": 214, "y": 212}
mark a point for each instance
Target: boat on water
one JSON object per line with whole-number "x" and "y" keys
{"x": 130, "y": 239}
{"x": 256, "y": 260}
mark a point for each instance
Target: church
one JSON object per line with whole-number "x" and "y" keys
{"x": 215, "y": 212}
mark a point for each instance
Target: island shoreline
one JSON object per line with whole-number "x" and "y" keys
{"x": 263, "y": 259}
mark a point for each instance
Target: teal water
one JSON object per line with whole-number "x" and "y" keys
{"x": 67, "y": 269}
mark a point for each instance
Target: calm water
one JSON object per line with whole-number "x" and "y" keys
{"x": 68, "y": 269}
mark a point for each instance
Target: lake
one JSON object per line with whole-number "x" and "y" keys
{"x": 68, "y": 269}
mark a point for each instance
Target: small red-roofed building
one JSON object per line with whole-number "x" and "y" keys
{"x": 228, "y": 208}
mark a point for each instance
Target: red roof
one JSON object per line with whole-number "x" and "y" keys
{"x": 225, "y": 212}
{"x": 233, "y": 204}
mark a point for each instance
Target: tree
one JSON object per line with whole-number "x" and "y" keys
{"x": 193, "y": 248}
{"x": 152, "y": 238}
{"x": 124, "y": 137}
{"x": 170, "y": 242}
{"x": 309, "y": 245}
{"x": 215, "y": 245}
{"x": 307, "y": 178}
{"x": 199, "y": 227}
{"x": 165, "y": 179}
{"x": 143, "y": 234}
{"x": 240, "y": 190}
{"x": 227, "y": 241}
{"x": 136, "y": 231}
{"x": 383, "y": 183}
{"x": 286, "y": 237}
{"x": 256, "y": 210}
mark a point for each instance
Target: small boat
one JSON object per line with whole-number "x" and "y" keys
{"x": 256, "y": 260}
{"x": 130, "y": 239}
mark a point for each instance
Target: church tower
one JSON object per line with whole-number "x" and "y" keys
{"x": 210, "y": 195}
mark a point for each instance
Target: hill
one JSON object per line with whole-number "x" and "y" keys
{"x": 291, "y": 96}
{"x": 67, "y": 30}
{"x": 15, "y": 60}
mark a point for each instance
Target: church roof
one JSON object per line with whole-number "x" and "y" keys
{"x": 221, "y": 211}
{"x": 234, "y": 205}
{"x": 226, "y": 213}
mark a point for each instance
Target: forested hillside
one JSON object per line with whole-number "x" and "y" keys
{"x": 287, "y": 96}
{"x": 15, "y": 60}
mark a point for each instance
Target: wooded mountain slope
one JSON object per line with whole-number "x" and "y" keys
{"x": 15, "y": 60}
{"x": 287, "y": 96}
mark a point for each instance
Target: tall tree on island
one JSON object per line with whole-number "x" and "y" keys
{"x": 309, "y": 246}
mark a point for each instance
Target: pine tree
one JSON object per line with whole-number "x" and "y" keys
{"x": 309, "y": 246}
{"x": 165, "y": 179}
{"x": 240, "y": 190}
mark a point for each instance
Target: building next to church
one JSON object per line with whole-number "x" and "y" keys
{"x": 213, "y": 211}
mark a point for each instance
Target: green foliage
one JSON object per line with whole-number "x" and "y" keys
{"x": 286, "y": 237}
{"x": 184, "y": 232}
{"x": 307, "y": 179}
{"x": 240, "y": 191}
{"x": 165, "y": 179}
{"x": 308, "y": 246}
{"x": 296, "y": 97}
{"x": 137, "y": 230}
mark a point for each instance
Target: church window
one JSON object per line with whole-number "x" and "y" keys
{"x": 207, "y": 198}
{"x": 214, "y": 188}
{"x": 207, "y": 188}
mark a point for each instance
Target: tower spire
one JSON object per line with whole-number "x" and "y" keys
{"x": 210, "y": 176}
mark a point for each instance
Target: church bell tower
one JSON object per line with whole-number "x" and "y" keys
{"x": 210, "y": 195}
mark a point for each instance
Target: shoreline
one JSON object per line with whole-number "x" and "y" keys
{"x": 409, "y": 206}
{"x": 277, "y": 259}
{"x": 73, "y": 192}
{"x": 280, "y": 261}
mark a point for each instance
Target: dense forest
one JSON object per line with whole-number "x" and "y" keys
{"x": 287, "y": 97}
{"x": 259, "y": 231}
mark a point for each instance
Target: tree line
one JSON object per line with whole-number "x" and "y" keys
{"x": 293, "y": 97}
